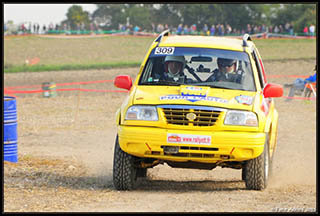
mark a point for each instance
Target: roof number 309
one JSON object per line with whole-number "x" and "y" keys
{"x": 164, "y": 50}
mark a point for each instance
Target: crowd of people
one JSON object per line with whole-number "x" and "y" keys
{"x": 309, "y": 30}
{"x": 218, "y": 29}
{"x": 221, "y": 29}
{"x": 29, "y": 28}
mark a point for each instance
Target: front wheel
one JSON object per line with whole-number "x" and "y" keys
{"x": 142, "y": 172}
{"x": 256, "y": 171}
{"x": 243, "y": 173}
{"x": 124, "y": 171}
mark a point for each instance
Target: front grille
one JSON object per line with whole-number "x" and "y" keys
{"x": 192, "y": 155}
{"x": 204, "y": 117}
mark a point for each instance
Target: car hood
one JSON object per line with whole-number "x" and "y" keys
{"x": 194, "y": 95}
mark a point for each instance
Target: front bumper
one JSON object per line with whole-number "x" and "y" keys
{"x": 224, "y": 145}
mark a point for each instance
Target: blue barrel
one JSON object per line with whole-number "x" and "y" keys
{"x": 10, "y": 136}
{"x": 9, "y": 109}
{"x": 10, "y": 132}
{"x": 10, "y": 152}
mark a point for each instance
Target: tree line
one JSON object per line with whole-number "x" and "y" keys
{"x": 146, "y": 16}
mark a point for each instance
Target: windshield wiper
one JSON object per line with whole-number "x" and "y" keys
{"x": 222, "y": 87}
{"x": 162, "y": 82}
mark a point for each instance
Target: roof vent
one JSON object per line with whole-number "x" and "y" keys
{"x": 245, "y": 38}
{"x": 164, "y": 33}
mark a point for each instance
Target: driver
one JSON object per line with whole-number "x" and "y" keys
{"x": 174, "y": 66}
{"x": 226, "y": 71}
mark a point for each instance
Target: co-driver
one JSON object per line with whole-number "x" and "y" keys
{"x": 226, "y": 71}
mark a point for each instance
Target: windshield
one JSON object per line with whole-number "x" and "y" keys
{"x": 199, "y": 67}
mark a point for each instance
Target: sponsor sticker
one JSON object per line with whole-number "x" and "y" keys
{"x": 188, "y": 139}
{"x": 193, "y": 88}
{"x": 164, "y": 51}
{"x": 193, "y": 91}
{"x": 193, "y": 98}
{"x": 244, "y": 99}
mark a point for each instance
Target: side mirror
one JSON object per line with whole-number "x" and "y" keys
{"x": 123, "y": 81}
{"x": 272, "y": 90}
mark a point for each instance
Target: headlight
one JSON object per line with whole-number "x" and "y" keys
{"x": 147, "y": 113}
{"x": 241, "y": 118}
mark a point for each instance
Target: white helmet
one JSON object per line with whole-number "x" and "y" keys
{"x": 171, "y": 58}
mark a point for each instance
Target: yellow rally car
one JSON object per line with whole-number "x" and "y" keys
{"x": 198, "y": 102}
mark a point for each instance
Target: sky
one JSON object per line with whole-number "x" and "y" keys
{"x": 40, "y": 13}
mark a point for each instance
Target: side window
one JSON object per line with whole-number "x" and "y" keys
{"x": 147, "y": 71}
{"x": 262, "y": 66}
{"x": 259, "y": 68}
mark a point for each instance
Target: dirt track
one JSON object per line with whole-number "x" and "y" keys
{"x": 66, "y": 143}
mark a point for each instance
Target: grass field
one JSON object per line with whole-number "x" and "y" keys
{"x": 110, "y": 51}
{"x": 285, "y": 49}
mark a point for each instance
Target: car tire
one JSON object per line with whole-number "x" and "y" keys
{"x": 256, "y": 171}
{"x": 124, "y": 171}
{"x": 142, "y": 172}
{"x": 243, "y": 173}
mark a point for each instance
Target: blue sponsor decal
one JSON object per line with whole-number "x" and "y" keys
{"x": 195, "y": 95}
{"x": 193, "y": 98}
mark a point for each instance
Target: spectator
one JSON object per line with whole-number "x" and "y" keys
{"x": 166, "y": 27}
{"x": 312, "y": 29}
{"x": 136, "y": 29}
{"x": 51, "y": 26}
{"x": 263, "y": 28}
{"x": 38, "y": 28}
{"x": 160, "y": 28}
{"x": 194, "y": 29}
{"x": 305, "y": 30}
{"x": 255, "y": 29}
{"x": 228, "y": 29}
{"x": 185, "y": 29}
{"x": 299, "y": 84}
{"x": 44, "y": 29}
{"x": 205, "y": 29}
{"x": 291, "y": 29}
{"x": 34, "y": 28}
{"x": 249, "y": 29}
{"x": 281, "y": 29}
{"x": 130, "y": 29}
{"x": 29, "y": 27}
{"x": 270, "y": 29}
{"x": 221, "y": 30}
{"x": 92, "y": 28}
{"x": 179, "y": 29}
{"x": 23, "y": 28}
{"x": 212, "y": 30}
{"x": 65, "y": 27}
{"x": 287, "y": 27}
{"x": 153, "y": 27}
